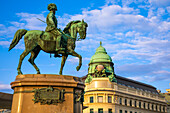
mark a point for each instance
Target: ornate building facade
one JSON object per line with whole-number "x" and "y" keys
{"x": 5, "y": 102}
{"x": 167, "y": 98}
{"x": 106, "y": 92}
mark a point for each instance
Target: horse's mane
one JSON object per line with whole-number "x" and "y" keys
{"x": 69, "y": 25}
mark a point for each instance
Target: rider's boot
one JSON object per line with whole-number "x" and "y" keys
{"x": 58, "y": 44}
{"x": 58, "y": 47}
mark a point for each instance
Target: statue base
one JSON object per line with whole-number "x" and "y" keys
{"x": 47, "y": 93}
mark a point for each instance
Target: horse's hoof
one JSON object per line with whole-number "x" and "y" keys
{"x": 20, "y": 73}
{"x": 78, "y": 68}
{"x": 57, "y": 55}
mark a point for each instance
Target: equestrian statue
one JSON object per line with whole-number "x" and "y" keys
{"x": 52, "y": 40}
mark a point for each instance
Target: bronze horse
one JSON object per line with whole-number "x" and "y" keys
{"x": 36, "y": 40}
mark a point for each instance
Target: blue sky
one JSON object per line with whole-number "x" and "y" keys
{"x": 135, "y": 34}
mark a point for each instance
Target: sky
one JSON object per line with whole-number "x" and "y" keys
{"x": 135, "y": 34}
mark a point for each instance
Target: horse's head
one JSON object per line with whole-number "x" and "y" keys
{"x": 81, "y": 29}
{"x": 75, "y": 27}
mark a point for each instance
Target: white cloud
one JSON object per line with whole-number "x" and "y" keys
{"x": 168, "y": 9}
{"x": 132, "y": 34}
{"x": 114, "y": 18}
{"x": 150, "y": 78}
{"x": 4, "y": 86}
{"x": 31, "y": 21}
{"x": 160, "y": 3}
{"x": 127, "y": 34}
{"x": 160, "y": 11}
{"x": 119, "y": 34}
{"x": 4, "y": 43}
{"x": 162, "y": 72}
{"x": 164, "y": 27}
{"x": 73, "y": 60}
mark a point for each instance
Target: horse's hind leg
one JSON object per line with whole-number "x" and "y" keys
{"x": 22, "y": 56}
{"x": 34, "y": 54}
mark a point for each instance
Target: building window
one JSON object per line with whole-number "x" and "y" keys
{"x": 130, "y": 111}
{"x": 130, "y": 102}
{"x": 109, "y": 99}
{"x": 100, "y": 99}
{"x": 135, "y": 104}
{"x": 156, "y": 108}
{"x": 91, "y": 99}
{"x": 135, "y": 112}
{"x": 125, "y": 111}
{"x": 139, "y": 104}
{"x": 110, "y": 111}
{"x": 159, "y": 108}
{"x": 100, "y": 110}
{"x": 120, "y": 111}
{"x": 126, "y": 102}
{"x": 144, "y": 105}
{"x": 120, "y": 100}
{"x": 91, "y": 110}
{"x": 148, "y": 106}
{"x": 163, "y": 109}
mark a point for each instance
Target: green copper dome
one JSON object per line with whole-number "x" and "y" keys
{"x": 100, "y": 55}
{"x": 101, "y": 58}
{"x": 101, "y": 65}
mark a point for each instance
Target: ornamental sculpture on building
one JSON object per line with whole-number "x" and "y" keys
{"x": 100, "y": 65}
{"x": 52, "y": 40}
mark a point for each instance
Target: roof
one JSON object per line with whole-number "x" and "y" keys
{"x": 5, "y": 100}
{"x": 136, "y": 84}
{"x": 167, "y": 97}
{"x": 100, "y": 55}
{"x": 132, "y": 83}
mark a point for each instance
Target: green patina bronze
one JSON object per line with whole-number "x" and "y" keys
{"x": 53, "y": 40}
{"x": 101, "y": 65}
{"x": 48, "y": 95}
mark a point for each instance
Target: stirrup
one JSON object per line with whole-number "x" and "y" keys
{"x": 61, "y": 49}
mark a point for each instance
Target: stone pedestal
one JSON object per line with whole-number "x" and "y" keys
{"x": 24, "y": 93}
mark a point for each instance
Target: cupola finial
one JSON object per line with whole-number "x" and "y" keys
{"x": 100, "y": 43}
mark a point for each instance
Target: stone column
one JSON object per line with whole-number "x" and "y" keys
{"x": 142, "y": 103}
{"x": 128, "y": 102}
{"x": 113, "y": 99}
{"x": 154, "y": 107}
{"x": 133, "y": 103}
{"x": 137, "y": 103}
{"x": 146, "y": 105}
{"x": 165, "y": 109}
{"x": 106, "y": 98}
{"x": 95, "y": 98}
{"x": 158, "y": 107}
{"x": 162, "y": 108}
{"x": 123, "y": 101}
{"x": 150, "y": 106}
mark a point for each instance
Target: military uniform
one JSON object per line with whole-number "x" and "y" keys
{"x": 52, "y": 27}
{"x": 51, "y": 22}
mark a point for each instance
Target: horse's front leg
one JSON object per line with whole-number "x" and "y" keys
{"x": 80, "y": 59}
{"x": 64, "y": 58}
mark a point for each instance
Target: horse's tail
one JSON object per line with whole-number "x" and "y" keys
{"x": 17, "y": 37}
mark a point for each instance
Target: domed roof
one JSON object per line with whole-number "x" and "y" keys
{"x": 100, "y": 55}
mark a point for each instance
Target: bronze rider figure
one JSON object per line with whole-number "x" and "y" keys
{"x": 52, "y": 27}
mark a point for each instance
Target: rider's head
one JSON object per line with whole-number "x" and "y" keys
{"x": 51, "y": 7}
